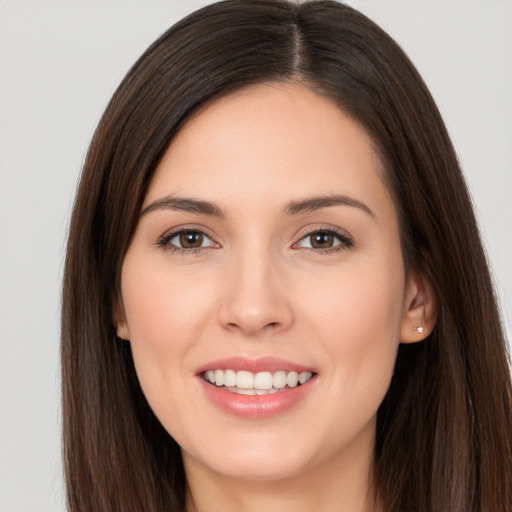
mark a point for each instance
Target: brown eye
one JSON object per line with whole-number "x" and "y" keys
{"x": 187, "y": 240}
{"x": 191, "y": 239}
{"x": 322, "y": 240}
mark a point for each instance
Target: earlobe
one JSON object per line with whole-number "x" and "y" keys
{"x": 122, "y": 331}
{"x": 120, "y": 321}
{"x": 420, "y": 311}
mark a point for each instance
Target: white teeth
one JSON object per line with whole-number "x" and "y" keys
{"x": 234, "y": 389}
{"x": 263, "y": 380}
{"x": 292, "y": 379}
{"x": 279, "y": 380}
{"x": 244, "y": 380}
{"x": 229, "y": 378}
{"x": 261, "y": 383}
{"x": 304, "y": 377}
{"x": 245, "y": 391}
{"x": 219, "y": 377}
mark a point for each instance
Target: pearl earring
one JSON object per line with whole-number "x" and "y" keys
{"x": 419, "y": 329}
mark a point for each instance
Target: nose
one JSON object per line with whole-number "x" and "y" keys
{"x": 255, "y": 299}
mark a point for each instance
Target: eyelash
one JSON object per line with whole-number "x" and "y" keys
{"x": 165, "y": 240}
{"x": 345, "y": 241}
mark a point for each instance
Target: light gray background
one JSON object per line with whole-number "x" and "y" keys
{"x": 60, "y": 62}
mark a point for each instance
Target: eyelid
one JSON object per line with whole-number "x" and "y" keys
{"x": 164, "y": 240}
{"x": 345, "y": 239}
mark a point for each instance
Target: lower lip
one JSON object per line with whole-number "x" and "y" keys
{"x": 256, "y": 406}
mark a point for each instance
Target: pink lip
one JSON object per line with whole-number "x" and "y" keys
{"x": 255, "y": 406}
{"x": 260, "y": 364}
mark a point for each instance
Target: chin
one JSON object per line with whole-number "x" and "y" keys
{"x": 258, "y": 468}
{"x": 265, "y": 458}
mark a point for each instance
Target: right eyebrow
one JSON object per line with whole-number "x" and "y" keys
{"x": 317, "y": 203}
{"x": 184, "y": 205}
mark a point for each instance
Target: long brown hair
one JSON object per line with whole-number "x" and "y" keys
{"x": 444, "y": 429}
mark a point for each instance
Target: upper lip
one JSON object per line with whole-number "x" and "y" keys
{"x": 254, "y": 365}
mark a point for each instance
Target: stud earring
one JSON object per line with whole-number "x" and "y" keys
{"x": 419, "y": 329}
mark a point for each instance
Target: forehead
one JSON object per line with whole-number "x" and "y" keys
{"x": 269, "y": 142}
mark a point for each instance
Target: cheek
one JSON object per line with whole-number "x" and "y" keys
{"x": 166, "y": 315}
{"x": 355, "y": 322}
{"x": 357, "y": 317}
{"x": 161, "y": 304}
{"x": 357, "y": 296}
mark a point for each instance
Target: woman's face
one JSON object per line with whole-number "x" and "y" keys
{"x": 267, "y": 254}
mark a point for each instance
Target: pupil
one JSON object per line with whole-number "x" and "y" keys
{"x": 191, "y": 239}
{"x": 322, "y": 240}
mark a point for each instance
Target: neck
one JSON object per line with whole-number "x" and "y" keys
{"x": 341, "y": 483}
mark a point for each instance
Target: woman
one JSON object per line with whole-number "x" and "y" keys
{"x": 275, "y": 294}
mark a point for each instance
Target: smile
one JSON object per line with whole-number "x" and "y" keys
{"x": 261, "y": 383}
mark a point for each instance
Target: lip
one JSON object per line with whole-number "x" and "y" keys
{"x": 255, "y": 406}
{"x": 254, "y": 365}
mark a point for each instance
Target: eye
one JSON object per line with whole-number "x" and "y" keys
{"x": 187, "y": 240}
{"x": 324, "y": 240}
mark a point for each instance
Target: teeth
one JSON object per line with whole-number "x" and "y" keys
{"x": 219, "y": 377}
{"x": 245, "y": 391}
{"x": 244, "y": 380}
{"x": 252, "y": 391}
{"x": 279, "y": 380}
{"x": 304, "y": 377}
{"x": 230, "y": 378}
{"x": 263, "y": 380}
{"x": 261, "y": 383}
{"x": 292, "y": 379}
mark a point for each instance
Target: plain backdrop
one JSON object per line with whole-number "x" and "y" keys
{"x": 60, "y": 61}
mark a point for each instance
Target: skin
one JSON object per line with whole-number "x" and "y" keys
{"x": 257, "y": 287}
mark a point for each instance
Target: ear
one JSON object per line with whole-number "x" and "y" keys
{"x": 120, "y": 320}
{"x": 420, "y": 308}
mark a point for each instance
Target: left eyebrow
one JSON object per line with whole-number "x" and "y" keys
{"x": 312, "y": 204}
{"x": 184, "y": 204}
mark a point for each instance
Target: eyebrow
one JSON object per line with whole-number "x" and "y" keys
{"x": 316, "y": 203}
{"x": 307, "y": 205}
{"x": 184, "y": 205}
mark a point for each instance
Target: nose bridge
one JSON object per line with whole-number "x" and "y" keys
{"x": 255, "y": 294}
